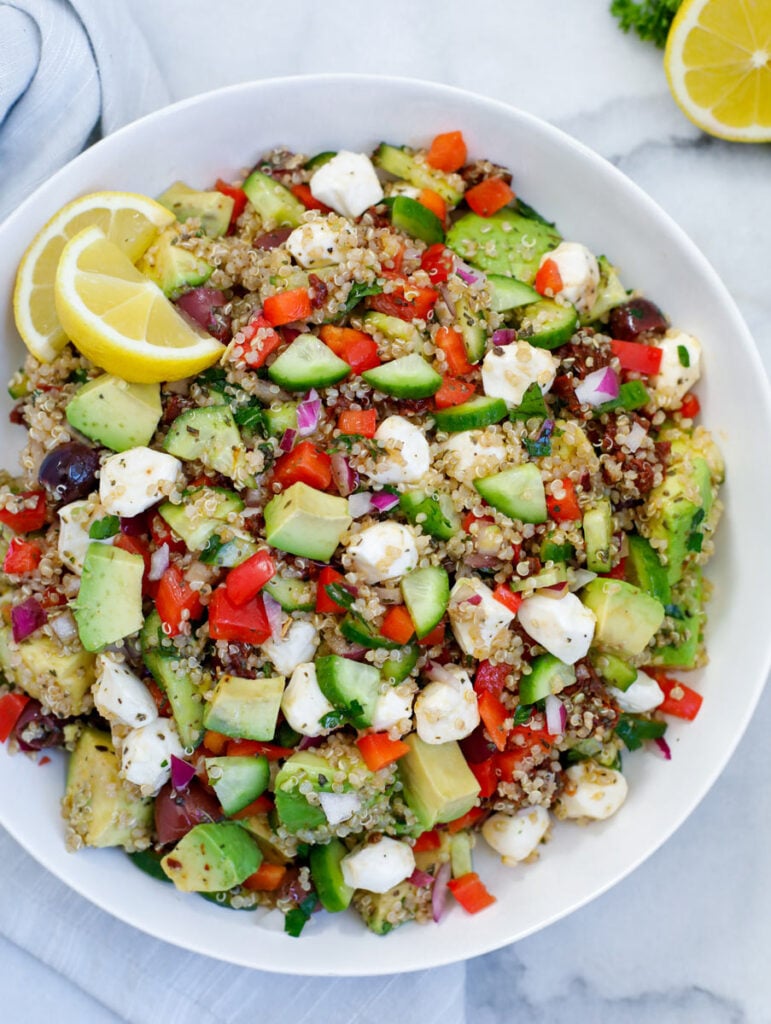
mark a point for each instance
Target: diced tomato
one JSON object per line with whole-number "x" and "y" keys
{"x": 466, "y": 821}
{"x": 453, "y": 392}
{"x": 28, "y": 519}
{"x": 358, "y": 421}
{"x": 396, "y": 263}
{"x": 491, "y": 678}
{"x": 238, "y": 196}
{"x": 162, "y": 534}
{"x": 307, "y": 198}
{"x": 379, "y": 750}
{"x": 506, "y": 596}
{"x": 489, "y": 196}
{"x": 435, "y": 637}
{"x": 357, "y": 348}
{"x": 21, "y": 557}
{"x": 433, "y": 202}
{"x": 215, "y": 742}
{"x": 248, "y": 578}
{"x": 257, "y": 349}
{"x": 288, "y": 306}
{"x": 407, "y": 303}
{"x": 246, "y": 623}
{"x": 324, "y": 603}
{"x": 398, "y": 625}
{"x": 508, "y": 761}
{"x": 685, "y": 706}
{"x": 427, "y": 841}
{"x": 447, "y": 152}
{"x": 257, "y": 748}
{"x": 484, "y": 773}
{"x": 548, "y": 280}
{"x": 633, "y": 355}
{"x": 470, "y": 518}
{"x": 175, "y": 597}
{"x": 53, "y": 598}
{"x": 469, "y": 891}
{"x": 494, "y": 714}
{"x": 691, "y": 407}
{"x": 139, "y": 546}
{"x": 618, "y": 572}
{"x": 11, "y": 707}
{"x": 304, "y": 464}
{"x": 567, "y": 509}
{"x": 451, "y": 343}
{"x": 262, "y": 805}
{"x": 267, "y": 878}
{"x": 437, "y": 261}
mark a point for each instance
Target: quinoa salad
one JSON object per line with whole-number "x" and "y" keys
{"x": 360, "y": 523}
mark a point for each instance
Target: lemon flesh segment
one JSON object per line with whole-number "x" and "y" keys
{"x": 718, "y": 62}
{"x": 129, "y": 220}
{"x": 121, "y": 320}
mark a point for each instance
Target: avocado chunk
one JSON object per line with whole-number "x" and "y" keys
{"x": 382, "y": 912}
{"x": 99, "y": 807}
{"x": 644, "y": 569}
{"x": 204, "y": 510}
{"x": 167, "y": 666}
{"x": 294, "y": 809}
{"x": 611, "y": 292}
{"x": 627, "y": 618}
{"x": 59, "y": 681}
{"x": 245, "y": 708}
{"x": 438, "y": 784}
{"x": 327, "y": 875}
{"x": 680, "y": 643}
{"x": 115, "y": 413}
{"x": 212, "y": 209}
{"x": 306, "y": 522}
{"x": 109, "y": 603}
{"x": 506, "y": 243}
{"x": 412, "y": 167}
{"x": 212, "y": 858}
{"x": 175, "y": 270}
{"x": 209, "y": 434}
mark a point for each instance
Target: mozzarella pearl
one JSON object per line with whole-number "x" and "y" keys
{"x": 564, "y": 626}
{"x": 384, "y": 551}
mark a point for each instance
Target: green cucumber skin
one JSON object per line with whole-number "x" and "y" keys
{"x": 416, "y": 220}
{"x": 507, "y": 293}
{"x": 441, "y": 519}
{"x": 241, "y": 781}
{"x": 327, "y": 876}
{"x": 407, "y": 377}
{"x": 546, "y": 671}
{"x": 518, "y": 493}
{"x": 307, "y": 363}
{"x": 558, "y": 324}
{"x": 426, "y": 593}
{"x": 351, "y": 687}
{"x": 292, "y": 594}
{"x": 472, "y": 415}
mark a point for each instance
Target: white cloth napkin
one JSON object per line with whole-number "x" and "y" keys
{"x": 66, "y": 69}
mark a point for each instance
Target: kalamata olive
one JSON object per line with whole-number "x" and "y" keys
{"x": 69, "y": 472}
{"x": 627, "y": 322}
{"x": 36, "y": 730}
{"x": 176, "y": 813}
{"x": 204, "y": 305}
{"x": 476, "y": 747}
{"x": 272, "y": 239}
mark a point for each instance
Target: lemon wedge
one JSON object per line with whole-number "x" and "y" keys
{"x": 718, "y": 62}
{"x": 121, "y": 320}
{"x": 131, "y": 221}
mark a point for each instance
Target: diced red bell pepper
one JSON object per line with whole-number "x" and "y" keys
{"x": 494, "y": 714}
{"x": 257, "y": 748}
{"x": 427, "y": 841}
{"x": 307, "y": 198}
{"x": 407, "y": 303}
{"x": 358, "y": 421}
{"x": 379, "y": 750}
{"x": 304, "y": 464}
{"x": 247, "y": 623}
{"x": 257, "y": 349}
{"x": 162, "y": 534}
{"x": 160, "y": 698}
{"x": 437, "y": 261}
{"x": 262, "y": 805}
{"x": 469, "y": 891}
{"x": 398, "y": 625}
{"x": 453, "y": 392}
{"x": 470, "y": 518}
{"x": 484, "y": 773}
{"x": 21, "y": 557}
{"x": 286, "y": 307}
{"x": 618, "y": 572}
{"x": 248, "y": 578}
{"x": 238, "y": 196}
{"x": 508, "y": 761}
{"x": 324, "y": 603}
{"x": 357, "y": 348}
{"x": 267, "y": 878}
{"x": 447, "y": 152}
{"x": 466, "y": 820}
{"x": 491, "y": 678}
{"x": 691, "y": 407}
{"x": 634, "y": 355}
{"x": 506, "y": 596}
{"x": 566, "y": 509}
{"x": 489, "y": 196}
{"x": 11, "y": 707}
{"x": 435, "y": 637}
{"x": 433, "y": 202}
{"x": 451, "y": 343}
{"x": 548, "y": 280}
{"x": 685, "y": 706}
{"x": 175, "y": 597}
{"x": 27, "y": 519}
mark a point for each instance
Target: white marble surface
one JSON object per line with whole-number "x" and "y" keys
{"x": 686, "y": 937}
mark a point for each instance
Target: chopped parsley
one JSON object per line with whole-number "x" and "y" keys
{"x": 683, "y": 356}
{"x": 634, "y": 731}
{"x": 103, "y": 528}
{"x": 650, "y": 19}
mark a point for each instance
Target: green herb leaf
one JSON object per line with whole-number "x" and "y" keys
{"x": 250, "y": 417}
{"x": 209, "y": 554}
{"x": 523, "y": 714}
{"x": 294, "y": 922}
{"x": 634, "y": 730}
{"x": 332, "y": 720}
{"x": 683, "y": 355}
{"x": 100, "y": 529}
{"x": 360, "y": 291}
{"x": 340, "y": 595}
{"x": 79, "y": 376}
{"x": 695, "y": 542}
{"x": 531, "y": 407}
{"x": 650, "y": 19}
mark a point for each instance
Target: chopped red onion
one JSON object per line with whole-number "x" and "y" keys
{"x": 421, "y": 879}
{"x": 465, "y": 273}
{"x": 384, "y": 501}
{"x": 556, "y": 715}
{"x": 64, "y": 627}
{"x": 345, "y": 477}
{"x": 360, "y": 504}
{"x": 275, "y": 615}
{"x": 159, "y": 562}
{"x": 354, "y": 652}
{"x": 598, "y": 387}
{"x": 181, "y": 773}
{"x": 441, "y": 674}
{"x": 504, "y": 336}
{"x": 663, "y": 746}
{"x": 287, "y": 440}
{"x": 475, "y": 599}
{"x": 26, "y": 618}
{"x": 636, "y": 437}
{"x": 439, "y": 892}
{"x": 308, "y": 412}
{"x": 252, "y": 498}
{"x": 309, "y": 742}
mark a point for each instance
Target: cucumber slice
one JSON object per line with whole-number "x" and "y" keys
{"x": 319, "y": 160}
{"x": 518, "y": 243}
{"x": 611, "y": 292}
{"x": 614, "y": 670}
{"x": 547, "y": 324}
{"x": 349, "y": 685}
{"x": 437, "y": 512}
{"x": 508, "y": 293}
{"x": 632, "y": 394}
{"x": 237, "y": 781}
{"x": 357, "y": 631}
{"x": 400, "y": 664}
{"x": 460, "y": 854}
{"x": 273, "y": 201}
{"x": 416, "y": 220}
{"x": 426, "y": 593}
{"x": 403, "y": 164}
{"x": 598, "y": 535}
{"x": 327, "y": 876}
{"x": 533, "y": 406}
{"x": 393, "y": 328}
{"x": 518, "y": 493}
{"x": 644, "y": 569}
{"x": 281, "y": 417}
{"x": 478, "y": 412}
{"x": 408, "y": 377}
{"x": 307, "y": 363}
{"x": 545, "y": 578}
{"x": 232, "y": 552}
{"x": 551, "y": 551}
{"x": 472, "y": 329}
{"x": 548, "y": 675}
{"x": 293, "y": 595}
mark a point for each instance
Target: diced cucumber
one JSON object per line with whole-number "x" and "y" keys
{"x": 209, "y": 434}
{"x": 632, "y": 394}
{"x": 545, "y": 578}
{"x": 460, "y": 854}
{"x": 438, "y": 517}
{"x": 233, "y": 552}
{"x": 273, "y": 201}
{"x": 416, "y": 220}
{"x": 166, "y": 668}
{"x": 319, "y": 160}
{"x": 400, "y": 664}
{"x": 237, "y": 781}
{"x": 471, "y": 415}
{"x": 517, "y": 492}
{"x": 614, "y": 670}
{"x": 551, "y": 551}
{"x": 403, "y": 164}
{"x": 611, "y": 292}
{"x": 598, "y": 536}
{"x": 506, "y": 243}
{"x": 307, "y": 363}
{"x": 426, "y": 593}
{"x": 293, "y": 595}
{"x": 194, "y": 528}
{"x": 507, "y": 293}
{"x": 327, "y": 876}
{"x": 351, "y": 686}
{"x": 547, "y": 675}
{"x": 547, "y": 324}
{"x": 532, "y": 406}
{"x": 472, "y": 330}
{"x": 407, "y": 377}
{"x": 281, "y": 417}
{"x": 358, "y": 631}
{"x": 393, "y": 328}
{"x": 644, "y": 569}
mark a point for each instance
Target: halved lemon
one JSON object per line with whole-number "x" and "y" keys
{"x": 121, "y": 320}
{"x": 718, "y": 62}
{"x": 131, "y": 221}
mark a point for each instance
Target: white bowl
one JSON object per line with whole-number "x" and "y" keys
{"x": 216, "y": 135}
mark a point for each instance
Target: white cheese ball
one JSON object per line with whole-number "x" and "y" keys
{"x": 132, "y": 481}
{"x": 315, "y": 244}
{"x": 146, "y": 755}
{"x": 297, "y": 647}
{"x": 466, "y": 457}
{"x": 120, "y": 696}
{"x": 580, "y": 273}
{"x": 516, "y": 837}
{"x": 303, "y": 703}
{"x": 674, "y": 379}
{"x": 480, "y": 626}
{"x": 563, "y": 625}
{"x": 378, "y": 867}
{"x": 406, "y": 456}
{"x": 339, "y": 806}
{"x": 644, "y": 694}
{"x": 392, "y": 707}
{"x": 508, "y": 371}
{"x": 446, "y": 711}
{"x": 592, "y": 791}
{"x": 75, "y": 521}
{"x": 347, "y": 183}
{"x": 385, "y": 551}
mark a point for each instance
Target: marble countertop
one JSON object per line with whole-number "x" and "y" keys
{"x": 685, "y": 938}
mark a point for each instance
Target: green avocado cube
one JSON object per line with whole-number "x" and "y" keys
{"x": 306, "y": 522}
{"x": 438, "y": 784}
{"x": 211, "y": 435}
{"x": 115, "y": 413}
{"x": 212, "y": 209}
{"x": 175, "y": 270}
{"x": 294, "y": 809}
{"x": 245, "y": 708}
{"x": 212, "y": 858}
{"x": 627, "y": 618}
{"x": 109, "y": 603}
